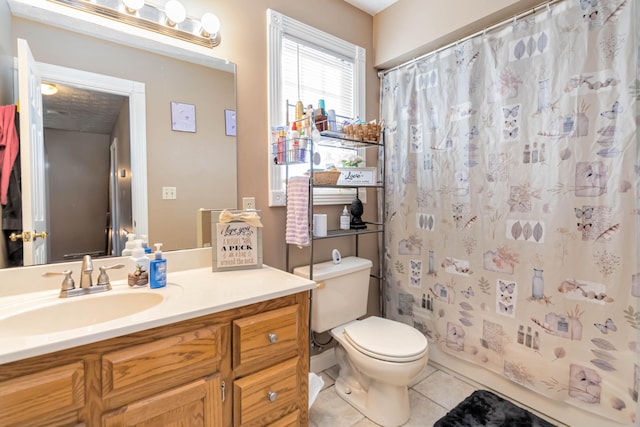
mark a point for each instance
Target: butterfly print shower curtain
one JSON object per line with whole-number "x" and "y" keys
{"x": 521, "y": 146}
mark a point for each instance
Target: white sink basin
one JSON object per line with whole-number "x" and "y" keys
{"x": 61, "y": 314}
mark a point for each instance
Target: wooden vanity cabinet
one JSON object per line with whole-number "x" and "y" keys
{"x": 179, "y": 374}
{"x": 270, "y": 361}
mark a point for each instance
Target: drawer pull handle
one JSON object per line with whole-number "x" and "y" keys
{"x": 273, "y": 338}
{"x": 272, "y": 396}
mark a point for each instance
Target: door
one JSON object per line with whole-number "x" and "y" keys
{"x": 34, "y": 196}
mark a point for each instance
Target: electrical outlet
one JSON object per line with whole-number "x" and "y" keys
{"x": 248, "y": 203}
{"x": 169, "y": 193}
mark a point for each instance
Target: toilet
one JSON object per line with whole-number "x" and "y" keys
{"x": 378, "y": 358}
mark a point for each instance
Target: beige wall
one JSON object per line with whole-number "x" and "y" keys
{"x": 244, "y": 42}
{"x": 410, "y": 28}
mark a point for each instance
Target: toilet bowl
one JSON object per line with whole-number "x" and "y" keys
{"x": 378, "y": 357}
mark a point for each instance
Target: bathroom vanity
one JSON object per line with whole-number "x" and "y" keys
{"x": 223, "y": 349}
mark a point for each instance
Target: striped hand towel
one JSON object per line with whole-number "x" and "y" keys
{"x": 297, "y": 230}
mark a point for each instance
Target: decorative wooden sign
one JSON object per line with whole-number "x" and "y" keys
{"x": 236, "y": 238}
{"x": 358, "y": 176}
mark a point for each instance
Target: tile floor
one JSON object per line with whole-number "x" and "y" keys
{"x": 431, "y": 395}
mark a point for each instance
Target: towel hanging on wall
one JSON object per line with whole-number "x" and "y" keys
{"x": 297, "y": 228}
{"x": 9, "y": 146}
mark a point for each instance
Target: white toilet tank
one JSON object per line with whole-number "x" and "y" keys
{"x": 342, "y": 292}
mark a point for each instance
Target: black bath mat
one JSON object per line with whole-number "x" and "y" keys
{"x": 484, "y": 408}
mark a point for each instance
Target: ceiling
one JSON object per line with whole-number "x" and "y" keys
{"x": 81, "y": 110}
{"x": 372, "y": 7}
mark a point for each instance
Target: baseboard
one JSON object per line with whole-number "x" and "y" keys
{"x": 322, "y": 361}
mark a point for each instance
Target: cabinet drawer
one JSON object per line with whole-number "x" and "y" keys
{"x": 267, "y": 395}
{"x": 43, "y": 395}
{"x": 291, "y": 420}
{"x": 154, "y": 366}
{"x": 266, "y": 338}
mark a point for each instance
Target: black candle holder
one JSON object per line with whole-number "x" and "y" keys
{"x": 356, "y": 215}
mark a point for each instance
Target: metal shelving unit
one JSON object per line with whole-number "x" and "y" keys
{"x": 337, "y": 140}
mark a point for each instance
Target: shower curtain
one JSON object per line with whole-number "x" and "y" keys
{"x": 511, "y": 204}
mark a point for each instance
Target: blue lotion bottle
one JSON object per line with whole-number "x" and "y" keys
{"x": 158, "y": 270}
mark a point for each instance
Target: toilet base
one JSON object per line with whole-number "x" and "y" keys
{"x": 383, "y": 404}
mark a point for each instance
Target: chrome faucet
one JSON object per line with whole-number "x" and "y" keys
{"x": 68, "y": 288}
{"x": 85, "y": 274}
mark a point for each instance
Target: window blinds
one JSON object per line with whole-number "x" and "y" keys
{"x": 310, "y": 73}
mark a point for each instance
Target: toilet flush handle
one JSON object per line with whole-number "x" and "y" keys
{"x": 273, "y": 338}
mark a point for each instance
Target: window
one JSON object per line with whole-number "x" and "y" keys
{"x": 308, "y": 64}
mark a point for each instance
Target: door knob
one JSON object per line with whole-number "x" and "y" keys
{"x": 43, "y": 235}
{"x": 25, "y": 236}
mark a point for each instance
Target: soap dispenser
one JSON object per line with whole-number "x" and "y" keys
{"x": 145, "y": 244}
{"x": 128, "y": 247}
{"x": 345, "y": 219}
{"x": 140, "y": 274}
{"x": 158, "y": 271}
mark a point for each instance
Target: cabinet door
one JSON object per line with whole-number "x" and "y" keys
{"x": 196, "y": 404}
{"x": 49, "y": 398}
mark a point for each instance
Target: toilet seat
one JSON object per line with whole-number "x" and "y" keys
{"x": 386, "y": 339}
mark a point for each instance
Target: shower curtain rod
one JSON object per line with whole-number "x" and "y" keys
{"x": 533, "y": 10}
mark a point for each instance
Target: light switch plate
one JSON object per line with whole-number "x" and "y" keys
{"x": 169, "y": 193}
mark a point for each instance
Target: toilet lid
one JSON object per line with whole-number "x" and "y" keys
{"x": 386, "y": 339}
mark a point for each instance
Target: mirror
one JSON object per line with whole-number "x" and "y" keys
{"x": 200, "y": 165}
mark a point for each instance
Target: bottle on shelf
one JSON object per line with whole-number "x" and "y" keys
{"x": 299, "y": 110}
{"x": 294, "y": 136}
{"x": 345, "y": 219}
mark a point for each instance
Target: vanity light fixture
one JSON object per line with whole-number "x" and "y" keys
{"x": 171, "y": 21}
{"x": 48, "y": 88}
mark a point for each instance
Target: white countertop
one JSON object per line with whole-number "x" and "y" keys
{"x": 189, "y": 294}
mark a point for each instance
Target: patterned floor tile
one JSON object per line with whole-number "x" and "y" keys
{"x": 444, "y": 389}
{"x": 330, "y": 410}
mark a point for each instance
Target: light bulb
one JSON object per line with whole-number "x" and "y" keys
{"x": 48, "y": 88}
{"x": 210, "y": 24}
{"x": 175, "y": 12}
{"x": 132, "y": 6}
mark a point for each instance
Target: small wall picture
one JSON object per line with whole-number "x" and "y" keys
{"x": 183, "y": 117}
